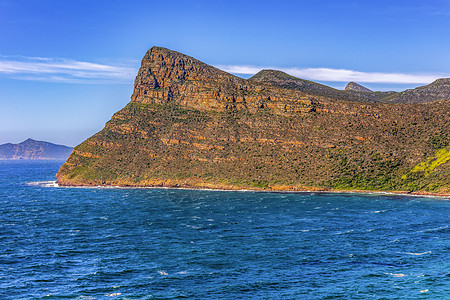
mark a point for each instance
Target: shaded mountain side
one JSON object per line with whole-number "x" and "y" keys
{"x": 438, "y": 90}
{"x": 283, "y": 80}
{"x": 32, "y": 149}
{"x": 353, "y": 86}
{"x": 191, "y": 125}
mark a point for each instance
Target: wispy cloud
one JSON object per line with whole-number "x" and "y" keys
{"x": 73, "y": 71}
{"x": 341, "y": 75}
{"x": 63, "y": 70}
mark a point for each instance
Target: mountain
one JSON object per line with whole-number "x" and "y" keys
{"x": 283, "y": 80}
{"x": 32, "y": 149}
{"x": 353, "y": 86}
{"x": 435, "y": 91}
{"x": 189, "y": 124}
{"x": 351, "y": 92}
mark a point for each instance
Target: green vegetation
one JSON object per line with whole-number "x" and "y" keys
{"x": 440, "y": 157}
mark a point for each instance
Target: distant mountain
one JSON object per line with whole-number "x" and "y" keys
{"x": 353, "y": 91}
{"x": 283, "y": 80}
{"x": 189, "y": 124}
{"x": 32, "y": 149}
{"x": 436, "y": 91}
{"x": 353, "y": 86}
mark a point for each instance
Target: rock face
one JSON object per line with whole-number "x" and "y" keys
{"x": 31, "y": 149}
{"x": 191, "y": 125}
{"x": 353, "y": 86}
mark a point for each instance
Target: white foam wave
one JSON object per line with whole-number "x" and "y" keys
{"x": 113, "y": 294}
{"x": 422, "y": 253}
{"x": 50, "y": 183}
{"x": 396, "y": 274}
{"x": 345, "y": 232}
{"x": 379, "y": 211}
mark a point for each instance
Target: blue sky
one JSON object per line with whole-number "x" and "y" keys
{"x": 67, "y": 66}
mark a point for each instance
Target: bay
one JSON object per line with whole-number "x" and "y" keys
{"x": 115, "y": 243}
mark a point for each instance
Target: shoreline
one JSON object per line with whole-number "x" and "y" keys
{"x": 228, "y": 188}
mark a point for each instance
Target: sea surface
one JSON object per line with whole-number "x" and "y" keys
{"x": 114, "y": 243}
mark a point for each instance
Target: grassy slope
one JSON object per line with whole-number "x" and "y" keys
{"x": 147, "y": 144}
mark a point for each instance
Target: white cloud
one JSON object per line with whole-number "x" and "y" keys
{"x": 73, "y": 71}
{"x": 63, "y": 70}
{"x": 340, "y": 75}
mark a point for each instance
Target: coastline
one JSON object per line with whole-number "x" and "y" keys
{"x": 272, "y": 189}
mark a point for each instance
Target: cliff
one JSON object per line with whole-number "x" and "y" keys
{"x": 191, "y": 125}
{"x": 32, "y": 149}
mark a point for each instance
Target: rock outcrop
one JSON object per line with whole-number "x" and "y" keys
{"x": 353, "y": 86}
{"x": 32, "y": 149}
{"x": 191, "y": 125}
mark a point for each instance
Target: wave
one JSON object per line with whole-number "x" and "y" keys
{"x": 310, "y": 192}
{"x": 412, "y": 253}
{"x": 396, "y": 274}
{"x": 435, "y": 229}
{"x": 50, "y": 183}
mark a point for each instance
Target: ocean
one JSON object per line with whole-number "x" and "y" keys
{"x": 117, "y": 243}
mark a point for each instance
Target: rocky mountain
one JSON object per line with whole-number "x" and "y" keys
{"x": 435, "y": 91}
{"x": 353, "y": 86}
{"x": 191, "y": 125}
{"x": 283, "y": 80}
{"x": 32, "y": 149}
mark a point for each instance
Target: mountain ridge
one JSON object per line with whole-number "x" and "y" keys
{"x": 189, "y": 124}
{"x": 33, "y": 149}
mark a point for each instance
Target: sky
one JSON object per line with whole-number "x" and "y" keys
{"x": 67, "y": 66}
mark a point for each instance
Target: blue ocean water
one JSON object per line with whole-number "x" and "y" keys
{"x": 105, "y": 243}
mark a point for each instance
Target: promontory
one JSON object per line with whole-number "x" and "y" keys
{"x": 191, "y": 125}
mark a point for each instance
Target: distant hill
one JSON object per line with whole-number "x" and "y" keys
{"x": 32, "y": 149}
{"x": 353, "y": 91}
{"x": 283, "y": 80}
{"x": 436, "y": 91}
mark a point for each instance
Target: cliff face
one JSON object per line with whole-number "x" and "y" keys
{"x": 191, "y": 125}
{"x": 31, "y": 149}
{"x": 169, "y": 77}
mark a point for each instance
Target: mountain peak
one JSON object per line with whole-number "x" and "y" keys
{"x": 268, "y": 73}
{"x": 353, "y": 86}
{"x": 28, "y": 141}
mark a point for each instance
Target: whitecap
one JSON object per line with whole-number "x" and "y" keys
{"x": 412, "y": 253}
{"x": 396, "y": 274}
{"x": 345, "y": 232}
{"x": 50, "y": 183}
{"x": 424, "y": 291}
{"x": 434, "y": 229}
{"x": 163, "y": 273}
{"x": 113, "y": 294}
